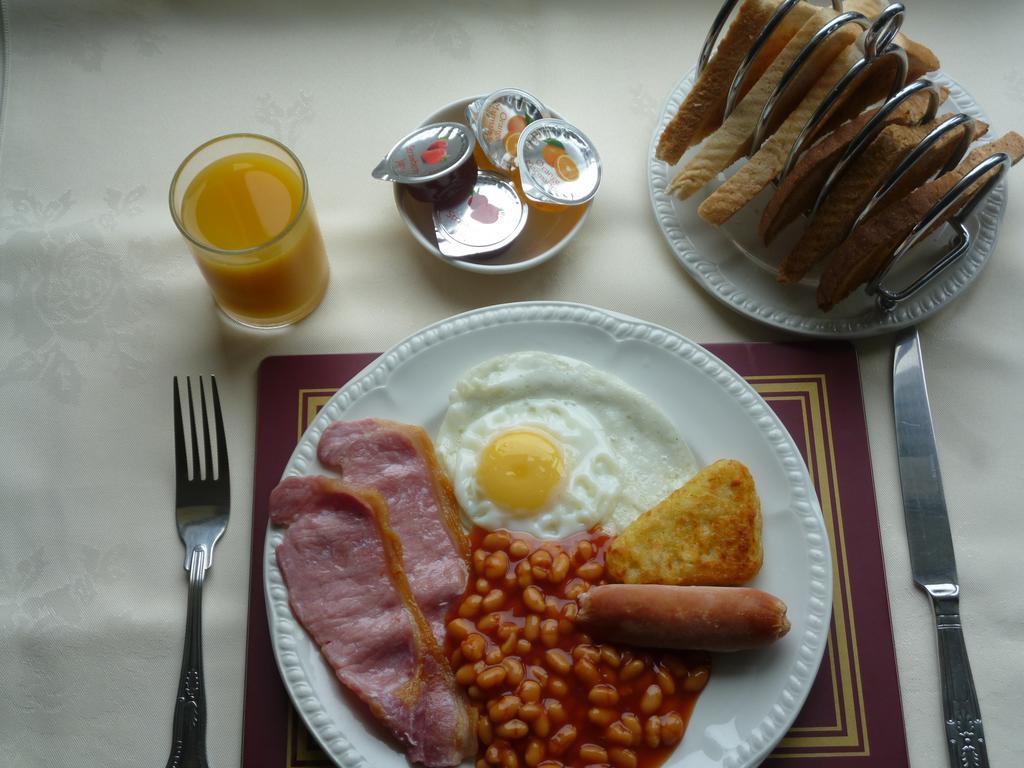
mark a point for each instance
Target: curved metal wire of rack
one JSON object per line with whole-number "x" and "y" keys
{"x": 877, "y": 41}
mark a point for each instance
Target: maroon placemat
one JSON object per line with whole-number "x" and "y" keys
{"x": 853, "y": 717}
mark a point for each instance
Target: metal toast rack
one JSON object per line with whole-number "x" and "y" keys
{"x": 877, "y": 42}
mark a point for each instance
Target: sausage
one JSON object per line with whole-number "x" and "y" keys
{"x": 683, "y": 618}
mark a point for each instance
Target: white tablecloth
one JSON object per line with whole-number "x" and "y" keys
{"x": 100, "y": 304}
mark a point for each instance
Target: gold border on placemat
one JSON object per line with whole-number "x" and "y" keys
{"x": 310, "y": 403}
{"x": 302, "y": 751}
{"x": 847, "y": 734}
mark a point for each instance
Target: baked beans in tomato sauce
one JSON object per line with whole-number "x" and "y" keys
{"x": 547, "y": 694}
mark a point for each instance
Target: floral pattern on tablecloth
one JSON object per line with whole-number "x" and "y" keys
{"x": 72, "y": 294}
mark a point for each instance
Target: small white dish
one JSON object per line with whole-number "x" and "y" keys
{"x": 545, "y": 234}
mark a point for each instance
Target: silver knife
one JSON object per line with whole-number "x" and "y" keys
{"x": 931, "y": 549}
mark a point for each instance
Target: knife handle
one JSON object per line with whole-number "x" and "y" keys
{"x": 964, "y": 735}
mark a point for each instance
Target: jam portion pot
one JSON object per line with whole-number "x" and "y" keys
{"x": 558, "y": 164}
{"x": 434, "y": 163}
{"x": 498, "y": 121}
{"x": 482, "y": 223}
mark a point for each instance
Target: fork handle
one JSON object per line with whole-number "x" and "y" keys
{"x": 188, "y": 734}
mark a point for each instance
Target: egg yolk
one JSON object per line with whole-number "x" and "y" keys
{"x": 519, "y": 470}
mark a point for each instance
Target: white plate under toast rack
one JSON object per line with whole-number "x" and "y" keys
{"x": 877, "y": 43}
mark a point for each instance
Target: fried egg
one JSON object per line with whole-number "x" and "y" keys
{"x": 551, "y": 446}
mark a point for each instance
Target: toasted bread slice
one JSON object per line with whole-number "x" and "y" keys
{"x": 854, "y": 189}
{"x": 920, "y": 61}
{"x": 767, "y": 163}
{"x": 701, "y": 110}
{"x": 732, "y": 140}
{"x": 920, "y": 57}
{"x": 800, "y": 188}
{"x": 869, "y": 246}
{"x": 707, "y": 532}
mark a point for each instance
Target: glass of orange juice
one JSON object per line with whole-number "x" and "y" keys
{"x": 242, "y": 202}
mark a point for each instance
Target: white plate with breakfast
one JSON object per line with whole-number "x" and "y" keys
{"x": 751, "y": 242}
{"x": 482, "y": 528}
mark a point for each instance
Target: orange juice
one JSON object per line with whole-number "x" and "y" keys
{"x": 241, "y": 201}
{"x": 251, "y": 227}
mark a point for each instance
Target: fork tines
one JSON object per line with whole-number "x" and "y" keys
{"x": 200, "y": 471}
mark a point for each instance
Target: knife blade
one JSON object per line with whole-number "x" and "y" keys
{"x": 932, "y": 559}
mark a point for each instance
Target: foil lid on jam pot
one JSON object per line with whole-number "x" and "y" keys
{"x": 557, "y": 163}
{"x": 430, "y": 161}
{"x": 482, "y": 223}
{"x": 499, "y": 119}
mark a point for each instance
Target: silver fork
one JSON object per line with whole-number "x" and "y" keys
{"x": 202, "y": 503}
